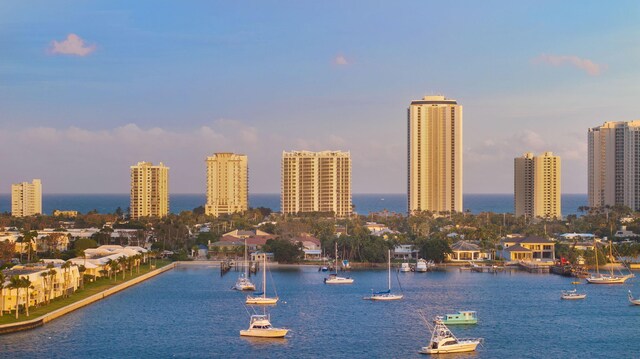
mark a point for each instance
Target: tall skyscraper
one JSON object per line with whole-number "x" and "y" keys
{"x": 316, "y": 182}
{"x": 434, "y": 158}
{"x": 227, "y": 184}
{"x": 26, "y": 198}
{"x": 537, "y": 186}
{"x": 149, "y": 190}
{"x": 614, "y": 164}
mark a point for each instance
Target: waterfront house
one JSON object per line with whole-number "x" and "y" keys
{"x": 463, "y": 251}
{"x": 527, "y": 249}
{"x": 311, "y": 246}
{"x": 404, "y": 251}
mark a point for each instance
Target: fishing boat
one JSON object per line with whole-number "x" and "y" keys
{"x": 633, "y": 300}
{"x": 462, "y": 317}
{"x": 260, "y": 326}
{"x": 572, "y": 295}
{"x": 243, "y": 282}
{"x": 386, "y": 295}
{"x": 261, "y": 298}
{"x": 334, "y": 278}
{"x": 598, "y": 278}
{"x": 443, "y": 341}
{"x": 405, "y": 267}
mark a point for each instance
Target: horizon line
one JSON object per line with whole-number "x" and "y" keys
{"x": 277, "y": 193}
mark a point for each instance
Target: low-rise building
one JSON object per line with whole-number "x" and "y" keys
{"x": 463, "y": 251}
{"x": 527, "y": 249}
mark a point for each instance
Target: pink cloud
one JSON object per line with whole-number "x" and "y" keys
{"x": 586, "y": 65}
{"x": 340, "y": 60}
{"x": 72, "y": 45}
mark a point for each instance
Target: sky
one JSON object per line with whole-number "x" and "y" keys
{"x": 89, "y": 88}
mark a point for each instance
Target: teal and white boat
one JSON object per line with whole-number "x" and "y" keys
{"x": 462, "y": 317}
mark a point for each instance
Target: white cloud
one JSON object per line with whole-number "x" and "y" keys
{"x": 72, "y": 45}
{"x": 585, "y": 65}
{"x": 340, "y": 60}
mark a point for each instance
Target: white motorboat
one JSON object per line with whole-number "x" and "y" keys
{"x": 386, "y": 295}
{"x": 443, "y": 341}
{"x": 260, "y": 326}
{"x": 598, "y": 278}
{"x": 334, "y": 278}
{"x": 261, "y": 298}
{"x": 405, "y": 267}
{"x": 243, "y": 282}
{"x": 633, "y": 300}
{"x": 572, "y": 295}
{"x": 421, "y": 266}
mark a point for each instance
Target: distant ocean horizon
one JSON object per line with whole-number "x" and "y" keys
{"x": 364, "y": 203}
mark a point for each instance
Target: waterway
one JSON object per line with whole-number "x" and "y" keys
{"x": 190, "y": 312}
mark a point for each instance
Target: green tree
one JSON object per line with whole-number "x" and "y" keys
{"x": 284, "y": 251}
{"x": 434, "y": 249}
{"x": 2, "y": 286}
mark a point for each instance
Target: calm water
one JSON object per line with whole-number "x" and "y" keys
{"x": 192, "y": 313}
{"x": 364, "y": 203}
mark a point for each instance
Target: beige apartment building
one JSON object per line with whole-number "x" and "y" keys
{"x": 26, "y": 198}
{"x": 537, "y": 186}
{"x": 614, "y": 164}
{"x": 316, "y": 182}
{"x": 227, "y": 184}
{"x": 434, "y": 158}
{"x": 149, "y": 190}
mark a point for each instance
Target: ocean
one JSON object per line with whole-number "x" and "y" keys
{"x": 364, "y": 203}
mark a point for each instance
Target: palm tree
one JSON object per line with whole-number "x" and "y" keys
{"x": 66, "y": 266}
{"x": 123, "y": 262}
{"x": 45, "y": 281}
{"x": 130, "y": 262}
{"x": 111, "y": 265}
{"x": 2, "y": 279}
{"x": 15, "y": 284}
{"x": 81, "y": 270}
{"x": 26, "y": 284}
{"x": 52, "y": 275}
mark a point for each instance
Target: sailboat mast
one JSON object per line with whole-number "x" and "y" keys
{"x": 389, "y": 268}
{"x": 611, "y": 257}
{"x": 264, "y": 275}
{"x": 595, "y": 250}
{"x": 246, "y": 265}
{"x": 336, "y": 258}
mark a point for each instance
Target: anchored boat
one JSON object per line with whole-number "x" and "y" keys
{"x": 243, "y": 282}
{"x": 261, "y": 298}
{"x": 599, "y": 278}
{"x": 386, "y": 295}
{"x": 572, "y": 295}
{"x": 633, "y": 300}
{"x": 334, "y": 278}
{"x": 462, "y": 317}
{"x": 260, "y": 326}
{"x": 443, "y": 341}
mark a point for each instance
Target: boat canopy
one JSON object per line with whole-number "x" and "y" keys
{"x": 383, "y": 292}
{"x": 257, "y": 294}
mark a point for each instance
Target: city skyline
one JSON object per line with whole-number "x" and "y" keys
{"x": 105, "y": 84}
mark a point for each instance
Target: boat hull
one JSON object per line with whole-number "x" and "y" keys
{"x": 454, "y": 348}
{"x": 574, "y": 297}
{"x": 386, "y": 297}
{"x": 261, "y": 300}
{"x": 244, "y": 287}
{"x": 338, "y": 281}
{"x": 264, "y": 333}
{"x": 607, "y": 280}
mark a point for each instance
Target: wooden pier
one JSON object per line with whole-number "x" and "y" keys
{"x": 534, "y": 267}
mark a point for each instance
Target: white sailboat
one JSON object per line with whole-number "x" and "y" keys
{"x": 261, "y": 298}
{"x": 386, "y": 295}
{"x": 632, "y": 300}
{"x": 334, "y": 278}
{"x": 243, "y": 282}
{"x": 598, "y": 278}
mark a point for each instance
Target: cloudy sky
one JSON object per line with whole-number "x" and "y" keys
{"x": 89, "y": 88}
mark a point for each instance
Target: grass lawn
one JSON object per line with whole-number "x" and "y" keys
{"x": 89, "y": 290}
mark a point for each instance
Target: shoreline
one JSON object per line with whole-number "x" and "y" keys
{"x": 41, "y": 320}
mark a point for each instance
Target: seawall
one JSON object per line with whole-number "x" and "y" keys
{"x": 40, "y": 321}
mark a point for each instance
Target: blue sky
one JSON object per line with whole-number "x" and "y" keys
{"x": 89, "y": 88}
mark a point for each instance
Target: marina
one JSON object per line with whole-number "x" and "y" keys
{"x": 210, "y": 315}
